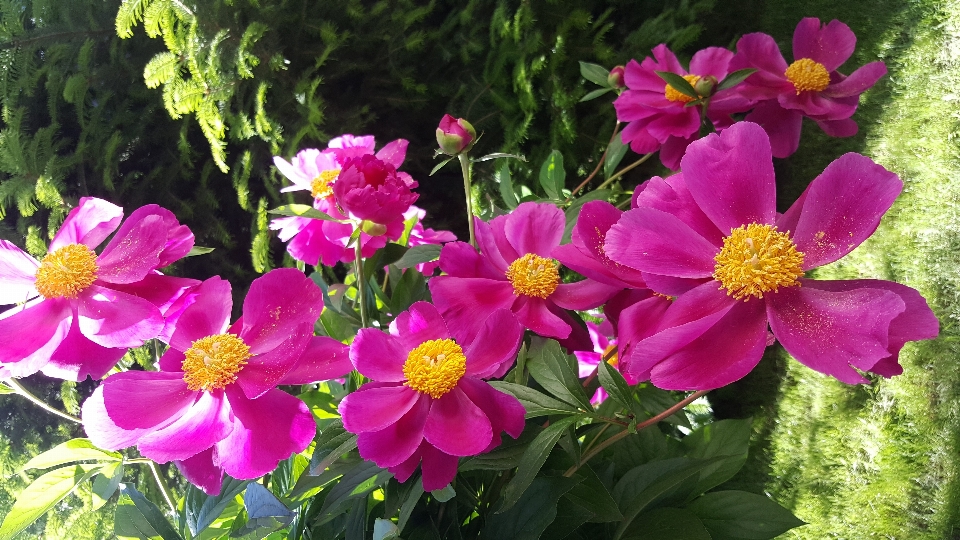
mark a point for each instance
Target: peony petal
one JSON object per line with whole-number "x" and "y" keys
{"x": 134, "y": 252}
{"x": 857, "y": 82}
{"x": 205, "y": 423}
{"x": 265, "y": 370}
{"x": 830, "y": 45}
{"x": 277, "y": 303}
{"x": 456, "y": 426}
{"x": 782, "y": 126}
{"x": 496, "y": 344}
{"x": 200, "y": 471}
{"x": 394, "y": 152}
{"x": 830, "y": 331}
{"x": 208, "y": 315}
{"x": 373, "y": 409}
{"x": 839, "y": 128}
{"x": 731, "y": 176}
{"x": 29, "y": 334}
{"x": 503, "y": 410}
{"x": 324, "y": 358}
{"x": 395, "y": 443}
{"x": 405, "y": 470}
{"x": 842, "y": 207}
{"x": 673, "y": 150}
{"x": 266, "y": 431}
{"x": 535, "y": 314}
{"x": 466, "y": 302}
{"x": 421, "y": 322}
{"x": 77, "y": 358}
{"x": 636, "y": 323}
{"x": 534, "y": 228}
{"x": 671, "y": 195}
{"x": 17, "y": 274}
{"x": 146, "y": 399}
{"x": 115, "y": 319}
{"x": 711, "y": 61}
{"x": 90, "y": 223}
{"x": 101, "y": 430}
{"x": 460, "y": 259}
{"x": 583, "y": 295}
{"x": 378, "y": 355}
{"x": 653, "y": 241}
{"x": 438, "y": 468}
{"x": 499, "y": 255}
{"x": 672, "y": 286}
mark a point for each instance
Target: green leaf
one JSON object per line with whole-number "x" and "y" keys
{"x": 557, "y": 372}
{"x": 439, "y": 166}
{"x": 736, "y": 515}
{"x": 595, "y": 94}
{"x": 128, "y": 522}
{"x": 506, "y": 187}
{"x": 735, "y": 78}
{"x": 668, "y": 524}
{"x": 534, "y": 402}
{"x": 198, "y": 250}
{"x": 615, "y": 152}
{"x": 613, "y": 382}
{"x": 150, "y": 513}
{"x": 533, "y": 459}
{"x": 570, "y": 516}
{"x": 106, "y": 484}
{"x": 535, "y": 511}
{"x": 506, "y": 456}
{"x": 678, "y": 83}
{"x": 410, "y": 499}
{"x": 201, "y": 509}
{"x": 301, "y": 210}
{"x": 42, "y": 494}
{"x": 726, "y": 438}
{"x": 70, "y": 451}
{"x": 4, "y": 389}
{"x": 552, "y": 175}
{"x": 572, "y": 213}
{"x": 418, "y": 254}
{"x": 594, "y": 496}
{"x": 595, "y": 73}
{"x": 445, "y": 494}
{"x": 357, "y": 482}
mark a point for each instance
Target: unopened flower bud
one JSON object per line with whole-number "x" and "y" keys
{"x": 455, "y": 135}
{"x": 372, "y": 228}
{"x": 615, "y": 78}
{"x": 705, "y": 86}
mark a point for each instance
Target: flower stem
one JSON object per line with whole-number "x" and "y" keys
{"x": 625, "y": 170}
{"x": 465, "y": 168}
{"x": 361, "y": 289}
{"x": 167, "y": 496}
{"x": 12, "y": 383}
{"x": 596, "y": 169}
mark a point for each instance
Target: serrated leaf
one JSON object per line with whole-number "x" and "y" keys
{"x": 533, "y": 459}
{"x": 507, "y": 193}
{"x": 595, "y": 94}
{"x": 535, "y": 403}
{"x": 153, "y": 515}
{"x": 552, "y": 175}
{"x": 595, "y": 73}
{"x": 615, "y": 152}
{"x": 741, "y": 515}
{"x": 106, "y": 484}
{"x": 613, "y": 382}
{"x": 43, "y": 494}
{"x": 418, "y": 255}
{"x": 535, "y": 512}
{"x": 678, "y": 83}
{"x": 735, "y": 78}
{"x": 301, "y": 210}
{"x": 70, "y": 451}
{"x": 557, "y": 373}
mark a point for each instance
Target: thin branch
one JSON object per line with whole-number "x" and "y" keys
{"x": 39, "y": 402}
{"x": 17, "y": 43}
{"x": 596, "y": 169}
{"x": 625, "y": 170}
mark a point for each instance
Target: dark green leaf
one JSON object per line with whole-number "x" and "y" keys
{"x": 595, "y": 73}
{"x": 532, "y": 460}
{"x": 570, "y": 515}
{"x": 736, "y": 515}
{"x": 654, "y": 401}
{"x": 337, "y": 325}
{"x": 410, "y": 498}
{"x": 678, "y": 83}
{"x": 439, "y": 166}
{"x": 357, "y": 482}
{"x": 418, "y": 254}
{"x": 506, "y": 187}
{"x": 668, "y": 524}
{"x": 198, "y": 250}
{"x": 128, "y": 522}
{"x": 106, "y": 484}
{"x": 260, "y": 503}
{"x": 150, "y": 513}
{"x": 552, "y": 175}
{"x": 498, "y": 155}
{"x": 557, "y": 372}
{"x": 593, "y": 495}
{"x": 534, "y": 402}
{"x": 735, "y": 78}
{"x": 201, "y": 509}
{"x": 42, "y": 494}
{"x": 357, "y": 520}
{"x": 594, "y": 94}
{"x": 506, "y": 456}
{"x": 70, "y": 451}
{"x": 613, "y": 382}
{"x": 534, "y": 512}
{"x": 301, "y": 210}
{"x": 615, "y": 152}
{"x": 411, "y": 288}
{"x": 725, "y": 438}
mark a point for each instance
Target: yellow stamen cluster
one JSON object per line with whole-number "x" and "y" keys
{"x": 435, "y": 367}
{"x": 321, "y": 187}
{"x": 213, "y": 362}
{"x": 807, "y": 75}
{"x": 66, "y": 272}
{"x": 533, "y": 275}
{"x": 673, "y": 94}
{"x": 756, "y": 259}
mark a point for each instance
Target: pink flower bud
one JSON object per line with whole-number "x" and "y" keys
{"x": 455, "y": 135}
{"x": 372, "y": 190}
{"x": 615, "y": 78}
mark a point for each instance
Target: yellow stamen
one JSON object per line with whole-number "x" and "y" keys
{"x": 66, "y": 272}
{"x": 756, "y": 259}
{"x": 612, "y": 360}
{"x": 673, "y": 94}
{"x": 321, "y": 187}
{"x": 807, "y": 75}
{"x": 534, "y": 275}
{"x": 213, "y": 362}
{"x": 435, "y": 367}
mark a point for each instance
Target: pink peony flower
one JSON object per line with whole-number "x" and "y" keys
{"x": 657, "y": 115}
{"x": 455, "y": 135}
{"x": 213, "y": 407}
{"x": 514, "y": 271}
{"x": 811, "y": 86}
{"x": 713, "y": 236}
{"x": 81, "y": 311}
{"x": 428, "y": 403}
{"x": 369, "y": 189}
{"x": 419, "y": 236}
{"x": 314, "y": 241}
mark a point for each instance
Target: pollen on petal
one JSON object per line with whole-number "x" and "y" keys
{"x": 434, "y": 367}
{"x": 322, "y": 186}
{"x": 756, "y": 259}
{"x": 673, "y": 94}
{"x": 67, "y": 272}
{"x": 808, "y": 75}
{"x": 533, "y": 275}
{"x": 213, "y": 362}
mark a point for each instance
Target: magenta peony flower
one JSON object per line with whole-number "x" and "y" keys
{"x": 811, "y": 86}
{"x": 314, "y": 241}
{"x": 455, "y": 135}
{"x": 585, "y": 253}
{"x": 81, "y": 311}
{"x": 369, "y": 189}
{"x": 514, "y": 271}
{"x": 213, "y": 406}
{"x": 657, "y": 113}
{"x": 714, "y": 237}
{"x": 428, "y": 403}
{"x": 419, "y": 236}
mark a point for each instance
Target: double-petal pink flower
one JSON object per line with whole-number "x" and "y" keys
{"x": 81, "y": 310}
{"x": 712, "y": 235}
{"x": 213, "y": 407}
{"x": 428, "y": 403}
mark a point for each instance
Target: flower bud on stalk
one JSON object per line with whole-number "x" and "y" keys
{"x": 615, "y": 78}
{"x": 455, "y": 135}
{"x": 705, "y": 86}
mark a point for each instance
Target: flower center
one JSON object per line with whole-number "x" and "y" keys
{"x": 320, "y": 187}
{"x": 756, "y": 259}
{"x": 534, "y": 275}
{"x": 66, "y": 272}
{"x": 435, "y": 367}
{"x": 612, "y": 360}
{"x": 805, "y": 74}
{"x": 213, "y": 362}
{"x": 673, "y": 94}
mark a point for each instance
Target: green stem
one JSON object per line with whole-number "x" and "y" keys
{"x": 361, "y": 289}
{"x": 625, "y": 170}
{"x": 12, "y": 383}
{"x": 167, "y": 496}
{"x": 596, "y": 169}
{"x": 465, "y": 168}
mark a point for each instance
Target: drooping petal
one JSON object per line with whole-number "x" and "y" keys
{"x": 830, "y": 45}
{"x": 673, "y": 150}
{"x": 265, "y": 370}
{"x": 200, "y": 471}
{"x": 208, "y": 315}
{"x": 782, "y": 125}
{"x": 504, "y": 411}
{"x": 583, "y": 295}
{"x": 842, "y": 207}
{"x": 90, "y": 223}
{"x": 37, "y": 327}
{"x": 496, "y": 344}
{"x": 395, "y": 443}
{"x": 421, "y": 322}
{"x": 460, "y": 259}
{"x": 405, "y": 470}
{"x": 394, "y": 152}
{"x": 266, "y": 431}
{"x": 277, "y": 303}
{"x": 464, "y": 302}
{"x": 205, "y": 423}
{"x": 324, "y": 358}
{"x": 534, "y": 228}
{"x": 535, "y": 314}
{"x": 115, "y": 319}
{"x": 438, "y": 468}
{"x": 17, "y": 274}
{"x": 653, "y": 241}
{"x": 731, "y": 176}
{"x": 378, "y": 355}
{"x": 373, "y": 409}
{"x": 77, "y": 358}
{"x": 456, "y": 426}
{"x": 146, "y": 399}
{"x": 830, "y": 331}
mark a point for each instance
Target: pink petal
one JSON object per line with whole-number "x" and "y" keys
{"x": 653, "y": 241}
{"x": 534, "y": 228}
{"x": 782, "y": 125}
{"x": 831, "y": 331}
{"x": 132, "y": 256}
{"x": 760, "y": 51}
{"x": 460, "y": 259}
{"x": 277, "y": 303}
{"x": 394, "y": 152}
{"x": 503, "y": 410}
{"x": 265, "y": 370}
{"x": 857, "y": 82}
{"x": 266, "y": 431}
{"x": 636, "y": 323}
{"x": 439, "y": 468}
{"x": 456, "y": 426}
{"x": 374, "y": 409}
{"x": 496, "y": 344}
{"x": 146, "y": 399}
{"x": 205, "y": 423}
{"x": 378, "y": 355}
{"x": 583, "y": 295}
{"x": 841, "y": 208}
{"x": 200, "y": 471}
{"x": 312, "y": 245}
{"x": 493, "y": 245}
{"x": 171, "y": 360}
{"x": 405, "y": 470}
{"x": 711, "y": 61}
{"x": 839, "y": 128}
{"x": 641, "y": 141}
{"x": 683, "y": 122}
{"x": 731, "y": 176}
{"x": 465, "y": 302}
{"x": 422, "y": 322}
{"x": 673, "y": 150}
{"x": 536, "y": 315}
{"x": 208, "y": 315}
{"x": 116, "y": 319}
{"x": 29, "y": 334}
{"x": 671, "y": 195}
{"x": 324, "y": 359}
{"x": 101, "y": 430}
{"x": 395, "y": 443}
{"x": 830, "y": 45}
{"x": 292, "y": 173}
{"x": 17, "y": 274}
{"x": 672, "y": 286}
{"x": 78, "y": 358}
{"x": 90, "y": 223}
{"x": 667, "y": 60}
